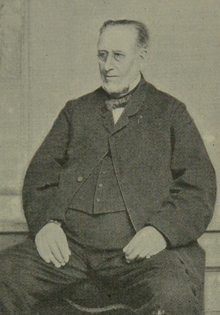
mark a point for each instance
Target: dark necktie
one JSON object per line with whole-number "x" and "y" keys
{"x": 117, "y": 102}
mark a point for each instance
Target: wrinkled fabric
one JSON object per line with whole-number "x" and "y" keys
{"x": 149, "y": 285}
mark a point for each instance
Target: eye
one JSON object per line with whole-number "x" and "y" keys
{"x": 102, "y": 55}
{"x": 118, "y": 56}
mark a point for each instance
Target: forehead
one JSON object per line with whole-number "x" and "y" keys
{"x": 118, "y": 38}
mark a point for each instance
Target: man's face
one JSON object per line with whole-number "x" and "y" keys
{"x": 119, "y": 57}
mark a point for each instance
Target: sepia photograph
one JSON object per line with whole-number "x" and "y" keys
{"x": 109, "y": 157}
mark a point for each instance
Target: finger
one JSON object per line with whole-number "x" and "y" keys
{"x": 54, "y": 261}
{"x": 130, "y": 245}
{"x": 56, "y": 253}
{"x": 129, "y": 248}
{"x": 44, "y": 252}
{"x": 63, "y": 246}
{"x": 43, "y": 255}
{"x": 148, "y": 256}
{"x": 144, "y": 254}
{"x": 50, "y": 255}
{"x": 126, "y": 248}
{"x": 155, "y": 249}
{"x": 136, "y": 243}
{"x": 134, "y": 254}
{"x": 136, "y": 248}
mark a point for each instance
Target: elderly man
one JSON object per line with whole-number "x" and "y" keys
{"x": 117, "y": 195}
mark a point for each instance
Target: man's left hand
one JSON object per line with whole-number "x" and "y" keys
{"x": 146, "y": 243}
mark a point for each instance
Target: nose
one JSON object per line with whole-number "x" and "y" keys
{"x": 109, "y": 63}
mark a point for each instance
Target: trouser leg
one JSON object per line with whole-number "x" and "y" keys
{"x": 26, "y": 280}
{"x": 160, "y": 285}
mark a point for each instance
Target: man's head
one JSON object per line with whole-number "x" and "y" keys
{"x": 121, "y": 50}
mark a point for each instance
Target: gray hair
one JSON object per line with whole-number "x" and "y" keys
{"x": 142, "y": 30}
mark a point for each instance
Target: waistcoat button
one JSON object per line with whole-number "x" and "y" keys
{"x": 80, "y": 179}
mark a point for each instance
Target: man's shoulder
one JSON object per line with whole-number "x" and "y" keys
{"x": 161, "y": 101}
{"x": 88, "y": 97}
{"x": 159, "y": 94}
{"x": 86, "y": 102}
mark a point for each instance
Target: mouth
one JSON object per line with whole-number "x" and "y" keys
{"x": 110, "y": 77}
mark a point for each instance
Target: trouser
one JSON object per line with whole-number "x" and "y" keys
{"x": 159, "y": 285}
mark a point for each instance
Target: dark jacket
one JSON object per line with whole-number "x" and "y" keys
{"x": 161, "y": 164}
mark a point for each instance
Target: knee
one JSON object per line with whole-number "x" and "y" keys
{"x": 11, "y": 267}
{"x": 176, "y": 298}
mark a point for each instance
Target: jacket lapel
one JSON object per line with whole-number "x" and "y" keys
{"x": 108, "y": 121}
{"x": 131, "y": 109}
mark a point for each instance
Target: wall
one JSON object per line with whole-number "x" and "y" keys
{"x": 13, "y": 109}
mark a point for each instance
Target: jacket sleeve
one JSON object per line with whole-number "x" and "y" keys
{"x": 41, "y": 183}
{"x": 188, "y": 209}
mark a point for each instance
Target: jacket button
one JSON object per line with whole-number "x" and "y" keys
{"x": 80, "y": 179}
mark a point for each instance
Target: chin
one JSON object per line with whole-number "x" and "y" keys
{"x": 113, "y": 88}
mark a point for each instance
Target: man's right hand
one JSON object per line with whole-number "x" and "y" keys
{"x": 52, "y": 245}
